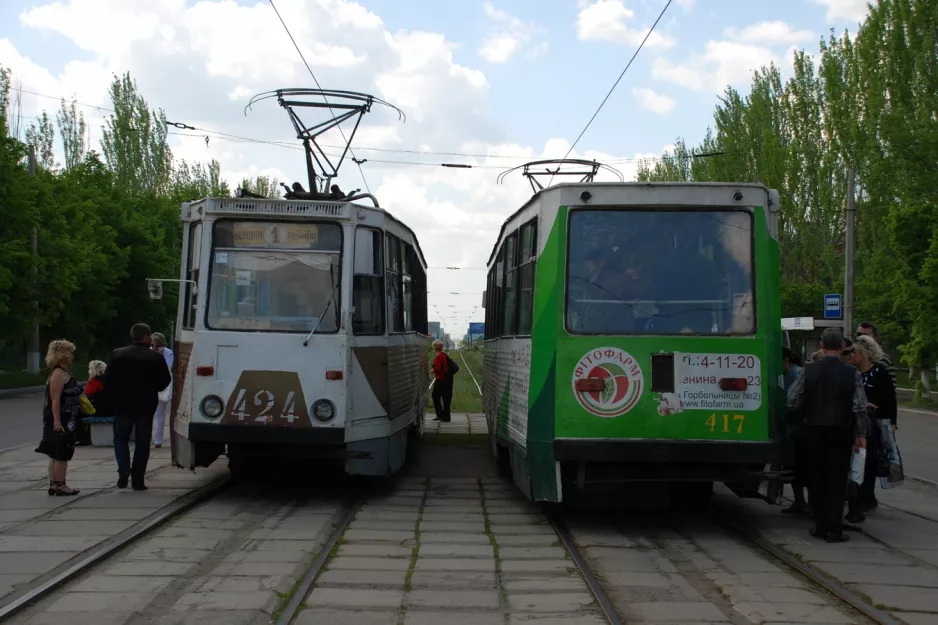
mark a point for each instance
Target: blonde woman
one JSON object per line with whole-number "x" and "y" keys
{"x": 60, "y": 415}
{"x": 867, "y": 357}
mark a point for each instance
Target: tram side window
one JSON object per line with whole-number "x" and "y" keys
{"x": 489, "y": 297}
{"x": 193, "y": 265}
{"x": 407, "y": 282}
{"x": 393, "y": 286}
{"x": 498, "y": 296}
{"x": 368, "y": 283}
{"x": 526, "y": 271}
{"x": 420, "y": 297}
{"x": 510, "y": 319}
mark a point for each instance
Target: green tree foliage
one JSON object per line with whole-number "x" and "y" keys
{"x": 870, "y": 103}
{"x": 262, "y": 185}
{"x": 106, "y": 222}
{"x": 72, "y": 129}
{"x": 41, "y": 137}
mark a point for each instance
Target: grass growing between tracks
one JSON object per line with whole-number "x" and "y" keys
{"x": 466, "y": 397}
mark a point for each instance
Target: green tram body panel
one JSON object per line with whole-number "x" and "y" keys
{"x": 530, "y": 395}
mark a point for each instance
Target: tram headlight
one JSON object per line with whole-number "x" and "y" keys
{"x": 323, "y": 410}
{"x": 212, "y": 406}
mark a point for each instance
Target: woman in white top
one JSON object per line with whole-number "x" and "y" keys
{"x": 166, "y": 395}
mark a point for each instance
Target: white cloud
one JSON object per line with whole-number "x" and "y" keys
{"x": 608, "y": 20}
{"x": 770, "y": 34}
{"x": 854, "y": 10}
{"x": 654, "y": 102}
{"x": 723, "y": 63}
{"x": 687, "y": 5}
{"x": 201, "y": 61}
{"x": 507, "y": 35}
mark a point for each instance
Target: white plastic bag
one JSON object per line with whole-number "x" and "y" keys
{"x": 858, "y": 465}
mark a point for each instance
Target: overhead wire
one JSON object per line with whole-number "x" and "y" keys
{"x": 310, "y": 69}
{"x": 615, "y": 84}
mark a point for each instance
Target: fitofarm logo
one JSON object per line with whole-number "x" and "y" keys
{"x": 622, "y": 381}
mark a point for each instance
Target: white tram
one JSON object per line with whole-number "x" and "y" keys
{"x": 302, "y": 329}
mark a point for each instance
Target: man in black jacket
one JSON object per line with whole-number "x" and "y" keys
{"x": 135, "y": 376}
{"x": 830, "y": 397}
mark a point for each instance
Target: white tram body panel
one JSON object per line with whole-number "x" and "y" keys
{"x": 258, "y": 276}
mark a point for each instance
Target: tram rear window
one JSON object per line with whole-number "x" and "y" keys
{"x": 275, "y": 277}
{"x": 665, "y": 272}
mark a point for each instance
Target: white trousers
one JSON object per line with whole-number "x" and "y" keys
{"x": 159, "y": 422}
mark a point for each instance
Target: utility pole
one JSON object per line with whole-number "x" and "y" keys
{"x": 32, "y": 353}
{"x": 848, "y": 251}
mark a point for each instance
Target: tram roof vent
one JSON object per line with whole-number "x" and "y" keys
{"x": 245, "y": 206}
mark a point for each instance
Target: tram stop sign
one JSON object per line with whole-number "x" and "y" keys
{"x": 832, "y": 306}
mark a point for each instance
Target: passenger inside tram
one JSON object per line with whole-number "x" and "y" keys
{"x": 661, "y": 272}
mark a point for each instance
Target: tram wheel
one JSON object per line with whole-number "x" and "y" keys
{"x": 692, "y": 495}
{"x": 239, "y": 465}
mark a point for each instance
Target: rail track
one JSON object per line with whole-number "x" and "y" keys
{"x": 100, "y": 553}
{"x": 843, "y": 596}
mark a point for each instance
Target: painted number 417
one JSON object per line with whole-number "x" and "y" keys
{"x": 738, "y": 421}
{"x": 265, "y": 401}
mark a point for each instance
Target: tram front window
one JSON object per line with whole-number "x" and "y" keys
{"x": 273, "y": 290}
{"x": 660, "y": 272}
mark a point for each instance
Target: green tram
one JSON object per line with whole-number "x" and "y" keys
{"x": 633, "y": 337}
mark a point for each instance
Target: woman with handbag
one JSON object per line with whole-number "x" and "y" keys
{"x": 867, "y": 357}
{"x": 60, "y": 416}
{"x": 166, "y": 395}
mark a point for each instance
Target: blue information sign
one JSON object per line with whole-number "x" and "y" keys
{"x": 476, "y": 328}
{"x": 832, "y": 306}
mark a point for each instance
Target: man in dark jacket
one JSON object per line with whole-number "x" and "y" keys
{"x": 830, "y": 397}
{"x": 135, "y": 376}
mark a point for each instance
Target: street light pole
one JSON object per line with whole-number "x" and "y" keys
{"x": 32, "y": 353}
{"x": 849, "y": 250}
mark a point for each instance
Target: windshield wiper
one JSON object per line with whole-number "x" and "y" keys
{"x": 335, "y": 290}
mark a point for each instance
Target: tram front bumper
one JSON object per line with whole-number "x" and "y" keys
{"x": 658, "y": 451}
{"x": 249, "y": 435}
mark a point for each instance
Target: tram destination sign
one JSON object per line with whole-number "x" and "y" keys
{"x": 279, "y": 236}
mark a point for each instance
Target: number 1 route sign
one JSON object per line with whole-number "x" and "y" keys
{"x": 832, "y": 306}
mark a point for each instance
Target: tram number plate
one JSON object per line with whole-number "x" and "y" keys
{"x": 268, "y": 398}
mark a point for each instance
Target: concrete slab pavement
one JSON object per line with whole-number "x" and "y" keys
{"x": 40, "y": 535}
{"x": 893, "y": 563}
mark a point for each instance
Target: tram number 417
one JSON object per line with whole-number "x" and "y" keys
{"x": 736, "y": 421}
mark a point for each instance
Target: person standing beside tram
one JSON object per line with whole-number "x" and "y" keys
{"x": 135, "y": 376}
{"x": 166, "y": 395}
{"x": 867, "y": 357}
{"x": 830, "y": 398}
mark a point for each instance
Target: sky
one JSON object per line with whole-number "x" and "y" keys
{"x": 492, "y": 83}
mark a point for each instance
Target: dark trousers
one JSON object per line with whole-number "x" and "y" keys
{"x": 442, "y": 396}
{"x": 828, "y": 451}
{"x": 142, "y": 426}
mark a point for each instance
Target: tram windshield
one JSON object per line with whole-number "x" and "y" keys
{"x": 275, "y": 277}
{"x": 665, "y": 272}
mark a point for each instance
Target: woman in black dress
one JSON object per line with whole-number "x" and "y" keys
{"x": 60, "y": 415}
{"x": 881, "y": 395}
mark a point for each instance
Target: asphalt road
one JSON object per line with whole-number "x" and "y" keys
{"x": 21, "y": 423}
{"x": 20, "y": 419}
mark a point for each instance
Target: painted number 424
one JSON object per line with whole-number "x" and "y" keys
{"x": 738, "y": 421}
{"x": 265, "y": 401}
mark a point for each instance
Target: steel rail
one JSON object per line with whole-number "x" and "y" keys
{"x": 563, "y": 532}
{"x": 826, "y": 582}
{"x": 104, "y": 550}
{"x": 295, "y": 604}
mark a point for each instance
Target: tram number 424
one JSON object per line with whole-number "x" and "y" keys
{"x": 265, "y": 401}
{"x": 726, "y": 421}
